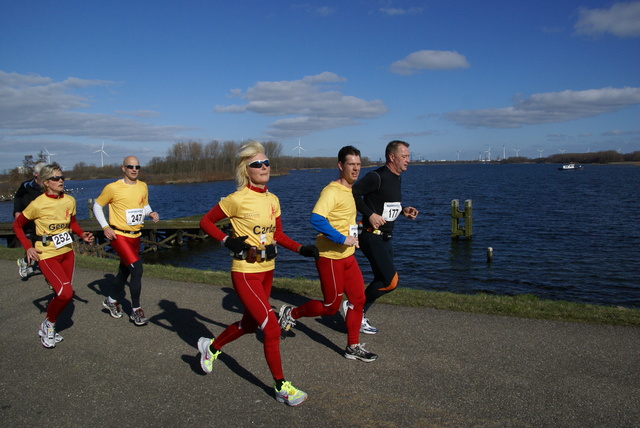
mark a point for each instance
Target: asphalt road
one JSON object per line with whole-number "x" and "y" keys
{"x": 436, "y": 368}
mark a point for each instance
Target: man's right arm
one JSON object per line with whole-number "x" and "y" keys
{"x": 98, "y": 213}
{"x": 322, "y": 225}
{"x": 362, "y": 187}
{"x": 17, "y": 200}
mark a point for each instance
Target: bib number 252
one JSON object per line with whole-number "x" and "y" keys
{"x": 61, "y": 239}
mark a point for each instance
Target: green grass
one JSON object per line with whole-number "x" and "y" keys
{"x": 524, "y": 306}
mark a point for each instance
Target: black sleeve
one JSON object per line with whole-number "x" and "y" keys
{"x": 17, "y": 198}
{"x": 367, "y": 184}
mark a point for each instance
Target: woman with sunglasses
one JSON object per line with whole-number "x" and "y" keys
{"x": 54, "y": 215}
{"x": 254, "y": 213}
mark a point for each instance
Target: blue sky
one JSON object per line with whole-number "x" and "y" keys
{"x": 455, "y": 79}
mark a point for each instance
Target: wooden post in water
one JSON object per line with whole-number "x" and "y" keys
{"x": 458, "y": 230}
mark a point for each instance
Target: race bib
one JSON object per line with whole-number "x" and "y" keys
{"x": 353, "y": 230}
{"x": 61, "y": 239}
{"x": 391, "y": 211}
{"x": 134, "y": 216}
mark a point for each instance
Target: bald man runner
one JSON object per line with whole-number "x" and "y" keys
{"x": 128, "y": 201}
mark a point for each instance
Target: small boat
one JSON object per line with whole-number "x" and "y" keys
{"x": 570, "y": 167}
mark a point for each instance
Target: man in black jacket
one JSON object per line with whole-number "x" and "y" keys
{"x": 379, "y": 199}
{"x": 27, "y": 192}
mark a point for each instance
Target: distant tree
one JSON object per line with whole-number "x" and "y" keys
{"x": 28, "y": 164}
{"x": 272, "y": 149}
{"x": 632, "y": 157}
{"x": 79, "y": 167}
{"x": 228, "y": 155}
{"x": 211, "y": 155}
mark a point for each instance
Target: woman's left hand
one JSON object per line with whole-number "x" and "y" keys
{"x": 87, "y": 237}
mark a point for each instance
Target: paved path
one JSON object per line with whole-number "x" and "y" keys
{"x": 436, "y": 368}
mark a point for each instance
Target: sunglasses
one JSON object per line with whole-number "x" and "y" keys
{"x": 132, "y": 166}
{"x": 57, "y": 178}
{"x": 258, "y": 164}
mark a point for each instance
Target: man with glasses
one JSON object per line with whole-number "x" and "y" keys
{"x": 128, "y": 206}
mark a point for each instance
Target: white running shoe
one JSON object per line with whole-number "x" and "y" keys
{"x": 23, "y": 267}
{"x": 138, "y": 318}
{"x": 114, "y": 308}
{"x": 290, "y": 395}
{"x": 345, "y": 308}
{"x": 357, "y": 352}
{"x": 285, "y": 320}
{"x": 367, "y": 328}
{"x": 47, "y": 333}
{"x": 206, "y": 356}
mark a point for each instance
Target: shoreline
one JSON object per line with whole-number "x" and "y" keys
{"x": 520, "y": 306}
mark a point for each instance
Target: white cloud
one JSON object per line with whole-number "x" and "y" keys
{"x": 325, "y": 11}
{"x": 138, "y": 113}
{"x": 621, "y": 19}
{"x": 618, "y": 132}
{"x": 32, "y": 105}
{"x": 313, "y": 102}
{"x": 407, "y": 135}
{"x": 429, "y": 60}
{"x": 322, "y": 11}
{"x": 550, "y": 107}
{"x": 398, "y": 11}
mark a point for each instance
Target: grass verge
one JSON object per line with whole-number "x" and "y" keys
{"x": 524, "y": 306}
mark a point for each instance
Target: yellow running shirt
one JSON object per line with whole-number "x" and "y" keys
{"x": 253, "y": 214}
{"x": 52, "y": 217}
{"x": 126, "y": 205}
{"x": 337, "y": 205}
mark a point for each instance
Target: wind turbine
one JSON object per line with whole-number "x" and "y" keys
{"x": 48, "y": 155}
{"x": 102, "y": 153}
{"x": 457, "y": 154}
{"x": 517, "y": 151}
{"x": 504, "y": 153}
{"x": 488, "y": 152}
{"x": 298, "y": 147}
{"x": 562, "y": 150}
{"x": 540, "y": 150}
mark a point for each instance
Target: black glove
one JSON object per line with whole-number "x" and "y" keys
{"x": 237, "y": 245}
{"x": 309, "y": 251}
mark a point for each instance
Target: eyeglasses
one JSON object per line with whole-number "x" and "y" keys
{"x": 56, "y": 178}
{"x": 132, "y": 166}
{"x": 258, "y": 164}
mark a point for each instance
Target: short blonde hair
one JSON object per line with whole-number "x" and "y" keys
{"x": 47, "y": 172}
{"x": 245, "y": 153}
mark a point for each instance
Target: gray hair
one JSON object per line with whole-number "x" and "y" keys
{"x": 38, "y": 167}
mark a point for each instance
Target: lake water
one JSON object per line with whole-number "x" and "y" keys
{"x": 558, "y": 235}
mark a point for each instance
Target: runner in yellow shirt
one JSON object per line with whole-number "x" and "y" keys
{"x": 128, "y": 207}
{"x": 54, "y": 215}
{"x": 254, "y": 213}
{"x": 334, "y": 217}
